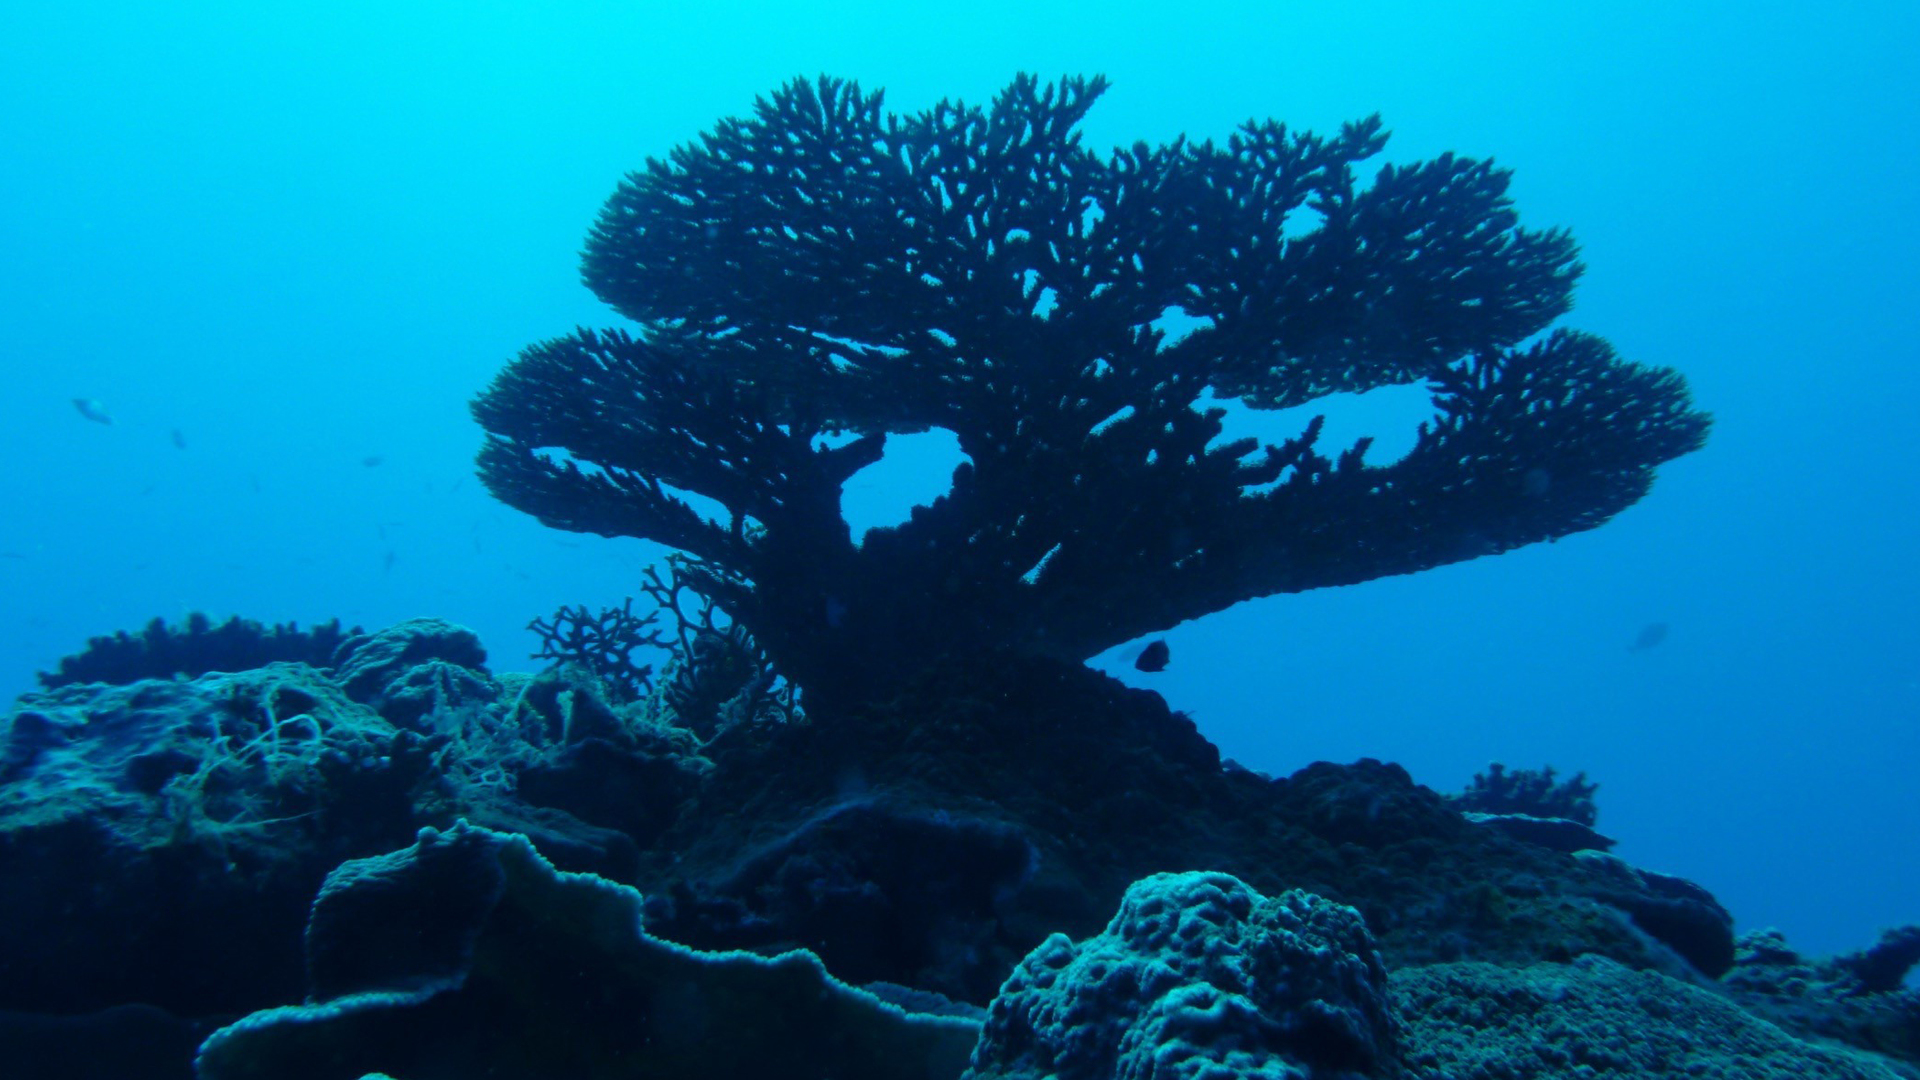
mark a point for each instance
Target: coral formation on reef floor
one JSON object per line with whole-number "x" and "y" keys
{"x": 1015, "y": 847}
{"x": 876, "y": 821}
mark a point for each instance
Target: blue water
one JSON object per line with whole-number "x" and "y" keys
{"x": 302, "y": 241}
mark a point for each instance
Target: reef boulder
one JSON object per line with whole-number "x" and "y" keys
{"x": 1198, "y": 976}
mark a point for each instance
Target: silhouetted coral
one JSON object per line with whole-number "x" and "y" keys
{"x": 163, "y": 652}
{"x": 1533, "y": 792}
{"x": 604, "y": 644}
{"x": 718, "y": 676}
{"x": 817, "y": 276}
{"x": 1858, "y": 997}
{"x": 1883, "y": 968}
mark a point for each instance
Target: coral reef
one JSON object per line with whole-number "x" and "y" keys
{"x": 467, "y": 954}
{"x": 1104, "y": 785}
{"x": 819, "y": 275}
{"x": 1197, "y": 976}
{"x": 161, "y": 844}
{"x": 1556, "y": 833}
{"x": 604, "y": 644}
{"x": 719, "y": 675}
{"x": 968, "y": 852}
{"x": 185, "y": 824}
{"x": 1531, "y": 792}
{"x": 1858, "y": 998}
{"x": 188, "y": 823}
{"x": 1594, "y": 1018}
{"x": 162, "y": 652}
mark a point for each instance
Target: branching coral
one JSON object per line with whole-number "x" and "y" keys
{"x": 1535, "y": 792}
{"x": 820, "y": 275}
{"x": 604, "y": 644}
{"x": 719, "y": 676}
{"x": 194, "y": 648}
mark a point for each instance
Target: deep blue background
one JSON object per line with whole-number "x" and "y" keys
{"x": 305, "y": 240}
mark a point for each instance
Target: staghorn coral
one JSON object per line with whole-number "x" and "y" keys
{"x": 817, "y": 276}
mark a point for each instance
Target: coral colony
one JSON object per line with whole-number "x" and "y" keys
{"x": 820, "y": 276}
{"x": 876, "y": 819}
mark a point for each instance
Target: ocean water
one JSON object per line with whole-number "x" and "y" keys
{"x": 282, "y": 249}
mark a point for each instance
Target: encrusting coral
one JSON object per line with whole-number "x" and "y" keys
{"x": 820, "y": 275}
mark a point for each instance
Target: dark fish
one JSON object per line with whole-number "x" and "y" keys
{"x": 1650, "y": 635}
{"x": 1154, "y": 656}
{"x": 179, "y": 440}
{"x": 92, "y": 410}
{"x": 387, "y": 564}
{"x": 371, "y": 460}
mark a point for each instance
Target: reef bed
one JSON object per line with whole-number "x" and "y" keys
{"x": 402, "y": 863}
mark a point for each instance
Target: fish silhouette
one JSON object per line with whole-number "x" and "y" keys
{"x": 1154, "y": 657}
{"x": 1651, "y": 635}
{"x": 92, "y": 410}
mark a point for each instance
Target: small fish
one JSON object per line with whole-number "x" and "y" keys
{"x": 1154, "y": 657}
{"x": 92, "y": 410}
{"x": 371, "y": 460}
{"x": 386, "y": 566}
{"x": 179, "y": 440}
{"x": 1651, "y": 635}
